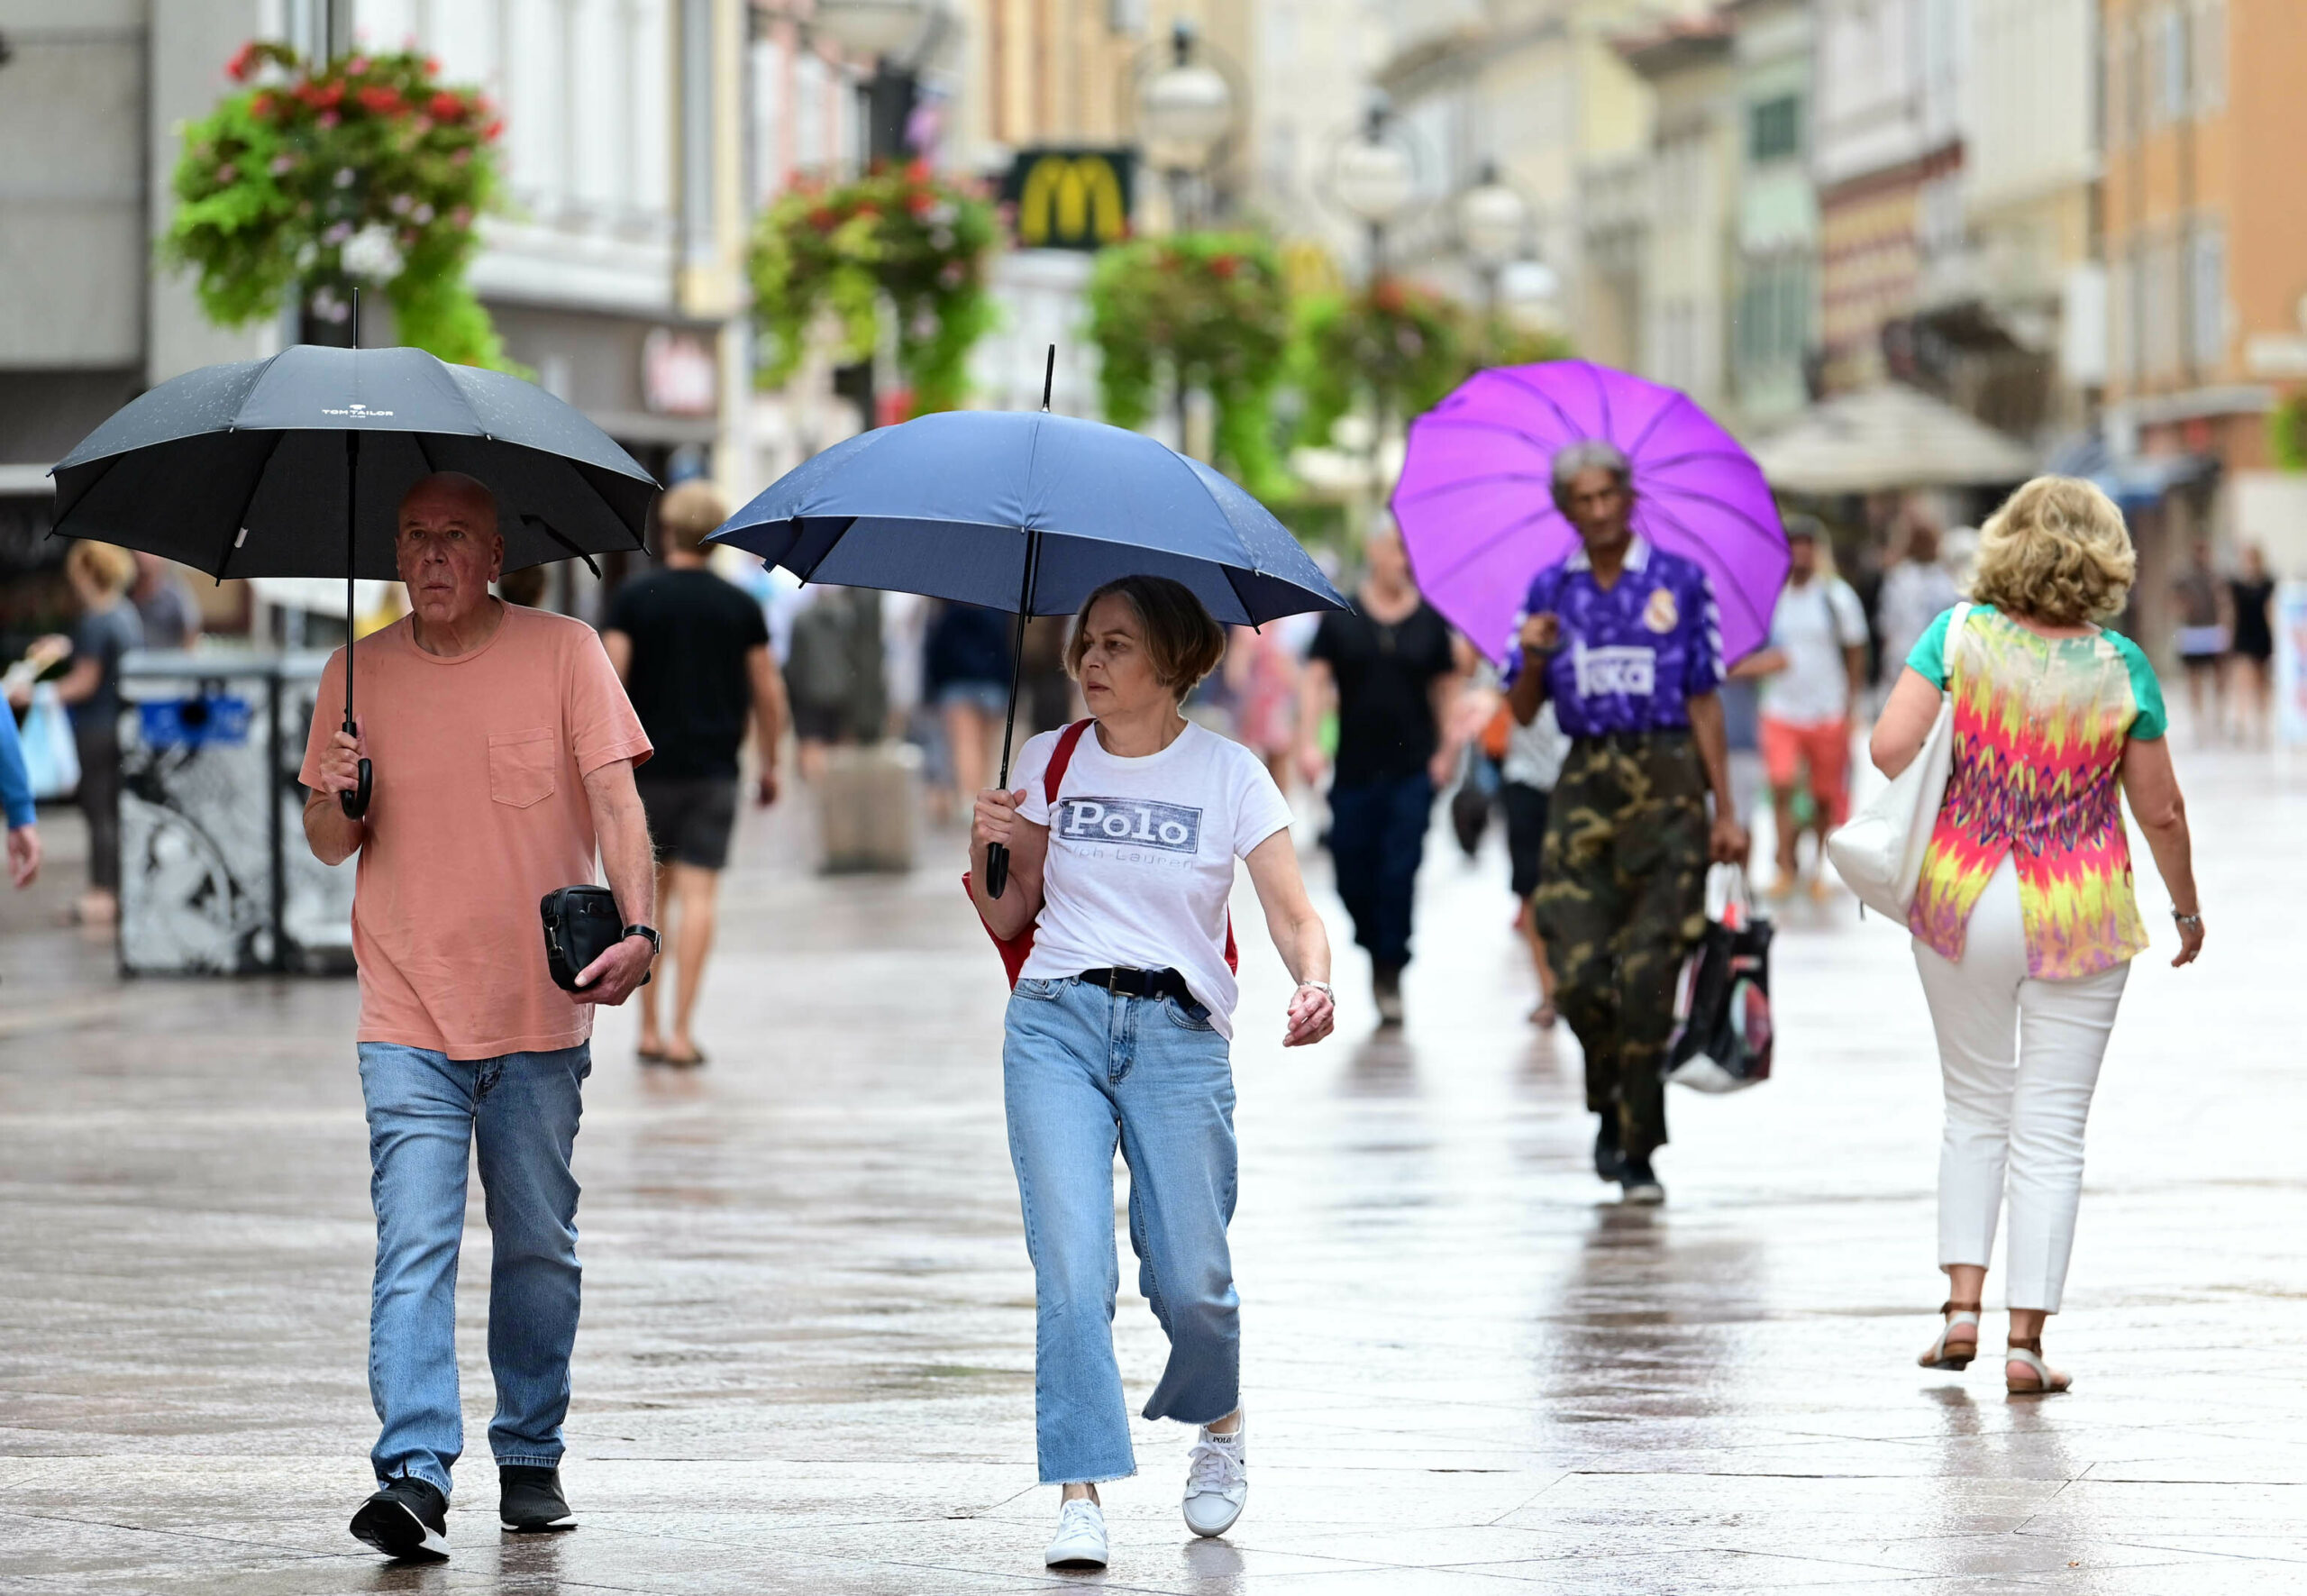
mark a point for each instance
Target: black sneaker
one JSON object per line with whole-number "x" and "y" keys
{"x": 1386, "y": 987}
{"x": 1609, "y": 1162}
{"x": 1638, "y": 1185}
{"x": 528, "y": 1500}
{"x": 407, "y": 1520}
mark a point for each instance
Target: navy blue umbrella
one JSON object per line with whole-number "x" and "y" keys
{"x": 1029, "y": 512}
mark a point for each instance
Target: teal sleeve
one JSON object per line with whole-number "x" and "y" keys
{"x": 1929, "y": 660}
{"x": 2153, "y": 722}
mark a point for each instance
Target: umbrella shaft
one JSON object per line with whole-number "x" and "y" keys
{"x": 1018, "y": 648}
{"x": 352, "y": 515}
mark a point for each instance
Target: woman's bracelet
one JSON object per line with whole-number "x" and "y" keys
{"x": 1322, "y": 987}
{"x": 2184, "y": 921}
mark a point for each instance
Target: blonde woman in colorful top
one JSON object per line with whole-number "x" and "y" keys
{"x": 2025, "y": 921}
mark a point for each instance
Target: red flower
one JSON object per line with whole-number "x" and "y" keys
{"x": 432, "y": 65}
{"x": 823, "y": 218}
{"x": 446, "y": 106}
{"x": 357, "y": 66}
{"x": 1387, "y": 296}
{"x": 260, "y": 108}
{"x": 868, "y": 212}
{"x": 381, "y": 99}
{"x": 917, "y": 171}
{"x": 1225, "y": 267}
{"x": 328, "y": 95}
{"x": 921, "y": 202}
{"x": 244, "y": 64}
{"x": 488, "y": 134}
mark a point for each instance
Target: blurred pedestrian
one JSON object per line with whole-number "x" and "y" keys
{"x": 1532, "y": 764}
{"x": 2025, "y": 920}
{"x": 99, "y": 575}
{"x": 693, "y": 653}
{"x": 1394, "y": 670}
{"x": 1263, "y": 673}
{"x": 836, "y": 675}
{"x": 967, "y": 676}
{"x": 1917, "y": 590}
{"x": 504, "y": 752}
{"x": 1624, "y": 640}
{"x": 1819, "y": 630}
{"x": 1119, "y": 1032}
{"x": 16, "y": 804}
{"x": 2205, "y": 636}
{"x": 165, "y": 606}
{"x": 2250, "y": 597}
{"x": 524, "y": 587}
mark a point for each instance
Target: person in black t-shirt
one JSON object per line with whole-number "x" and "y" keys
{"x": 693, "y": 653}
{"x": 1397, "y": 669}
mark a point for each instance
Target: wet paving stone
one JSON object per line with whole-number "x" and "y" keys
{"x": 806, "y": 1361}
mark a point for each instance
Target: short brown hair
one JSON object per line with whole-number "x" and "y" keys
{"x": 107, "y": 567}
{"x": 1184, "y": 643}
{"x": 2058, "y": 551}
{"x": 689, "y": 514}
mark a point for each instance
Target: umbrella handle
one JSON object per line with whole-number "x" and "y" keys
{"x": 996, "y": 869}
{"x": 356, "y": 802}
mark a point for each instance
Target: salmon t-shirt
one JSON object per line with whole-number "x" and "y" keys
{"x": 478, "y": 811}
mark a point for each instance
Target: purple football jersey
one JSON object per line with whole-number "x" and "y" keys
{"x": 1632, "y": 658}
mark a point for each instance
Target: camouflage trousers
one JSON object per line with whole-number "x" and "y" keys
{"x": 1622, "y": 901}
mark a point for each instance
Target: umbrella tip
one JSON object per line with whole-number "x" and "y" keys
{"x": 1049, "y": 377}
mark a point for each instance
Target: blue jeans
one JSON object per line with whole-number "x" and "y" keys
{"x": 1377, "y": 842}
{"x": 425, "y": 1113}
{"x": 1082, "y": 1071}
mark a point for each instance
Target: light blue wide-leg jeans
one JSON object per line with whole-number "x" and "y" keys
{"x": 1085, "y": 1070}
{"x": 426, "y": 1113}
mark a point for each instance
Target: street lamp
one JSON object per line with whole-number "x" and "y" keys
{"x": 890, "y": 33}
{"x": 1374, "y": 176}
{"x": 1184, "y": 112}
{"x": 1493, "y": 219}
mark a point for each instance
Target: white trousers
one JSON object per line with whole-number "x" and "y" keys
{"x": 2020, "y": 1058}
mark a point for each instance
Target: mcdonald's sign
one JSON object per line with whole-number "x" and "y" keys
{"x": 1070, "y": 199}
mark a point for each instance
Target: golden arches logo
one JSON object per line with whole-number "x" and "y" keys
{"x": 1071, "y": 200}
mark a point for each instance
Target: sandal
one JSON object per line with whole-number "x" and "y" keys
{"x": 2040, "y": 1380}
{"x": 1946, "y": 1354}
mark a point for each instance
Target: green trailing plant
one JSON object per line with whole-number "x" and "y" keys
{"x": 1208, "y": 310}
{"x": 1397, "y": 350}
{"x": 2287, "y": 431}
{"x": 314, "y": 177}
{"x": 899, "y": 236}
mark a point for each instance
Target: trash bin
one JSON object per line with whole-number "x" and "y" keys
{"x": 215, "y": 878}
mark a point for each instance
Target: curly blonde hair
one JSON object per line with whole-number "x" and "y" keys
{"x": 2057, "y": 551}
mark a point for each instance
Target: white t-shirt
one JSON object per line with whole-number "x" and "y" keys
{"x": 1141, "y": 858}
{"x": 1813, "y": 625}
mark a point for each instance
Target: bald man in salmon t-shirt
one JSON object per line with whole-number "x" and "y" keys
{"x": 503, "y": 749}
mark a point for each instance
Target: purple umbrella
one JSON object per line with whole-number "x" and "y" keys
{"x": 1477, "y": 512}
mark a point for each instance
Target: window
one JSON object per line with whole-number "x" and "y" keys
{"x": 1774, "y": 129}
{"x": 2171, "y": 66}
{"x": 2207, "y": 297}
{"x": 2210, "y": 55}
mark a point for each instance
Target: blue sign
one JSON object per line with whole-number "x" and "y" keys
{"x": 196, "y": 723}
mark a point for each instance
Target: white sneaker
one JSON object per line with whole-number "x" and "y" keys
{"x": 1080, "y": 1540}
{"x": 1217, "y": 1482}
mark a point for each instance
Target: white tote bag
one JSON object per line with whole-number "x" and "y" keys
{"x": 1879, "y": 853}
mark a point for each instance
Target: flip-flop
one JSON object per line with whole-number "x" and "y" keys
{"x": 689, "y": 1062}
{"x": 651, "y": 1055}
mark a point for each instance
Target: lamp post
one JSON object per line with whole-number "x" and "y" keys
{"x": 1493, "y": 221}
{"x": 891, "y": 32}
{"x": 1374, "y": 176}
{"x": 1185, "y": 110}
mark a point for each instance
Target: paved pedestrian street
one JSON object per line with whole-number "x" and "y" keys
{"x": 806, "y": 1360}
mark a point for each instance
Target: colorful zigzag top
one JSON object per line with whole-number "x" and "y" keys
{"x": 2040, "y": 725}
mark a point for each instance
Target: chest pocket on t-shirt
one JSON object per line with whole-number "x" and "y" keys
{"x": 524, "y": 767}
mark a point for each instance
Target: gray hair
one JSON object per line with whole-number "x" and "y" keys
{"x": 1589, "y": 454}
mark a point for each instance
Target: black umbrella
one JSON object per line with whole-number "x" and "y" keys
{"x": 246, "y": 469}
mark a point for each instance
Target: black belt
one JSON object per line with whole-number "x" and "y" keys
{"x": 1139, "y": 983}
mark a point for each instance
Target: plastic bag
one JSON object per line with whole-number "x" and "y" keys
{"x": 51, "y": 759}
{"x": 1722, "y": 1034}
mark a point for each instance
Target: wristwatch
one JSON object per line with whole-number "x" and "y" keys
{"x": 1322, "y": 987}
{"x": 656, "y": 942}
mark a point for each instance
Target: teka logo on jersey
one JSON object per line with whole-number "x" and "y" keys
{"x": 1170, "y": 827}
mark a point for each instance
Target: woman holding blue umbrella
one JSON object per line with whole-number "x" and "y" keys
{"x": 1123, "y": 833}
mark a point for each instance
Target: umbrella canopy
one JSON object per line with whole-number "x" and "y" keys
{"x": 241, "y": 470}
{"x": 1889, "y": 437}
{"x": 953, "y": 505}
{"x": 1476, "y": 507}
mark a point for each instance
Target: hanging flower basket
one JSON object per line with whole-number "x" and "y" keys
{"x": 1398, "y": 350}
{"x": 314, "y": 178}
{"x": 900, "y": 235}
{"x": 1210, "y": 309}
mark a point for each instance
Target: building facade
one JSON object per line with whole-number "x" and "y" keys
{"x": 1774, "y": 318}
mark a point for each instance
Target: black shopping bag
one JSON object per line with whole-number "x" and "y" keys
{"x": 1722, "y": 1027}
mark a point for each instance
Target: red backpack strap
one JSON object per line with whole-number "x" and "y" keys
{"x": 1061, "y": 758}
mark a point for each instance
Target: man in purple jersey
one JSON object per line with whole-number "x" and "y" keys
{"x": 1624, "y": 639}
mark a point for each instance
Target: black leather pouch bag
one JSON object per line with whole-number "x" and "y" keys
{"x": 581, "y": 924}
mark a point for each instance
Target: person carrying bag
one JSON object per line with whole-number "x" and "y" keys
{"x": 1879, "y": 853}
